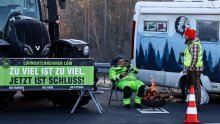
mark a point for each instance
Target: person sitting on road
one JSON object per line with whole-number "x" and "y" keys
{"x": 123, "y": 74}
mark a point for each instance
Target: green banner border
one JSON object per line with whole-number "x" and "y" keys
{"x": 10, "y": 62}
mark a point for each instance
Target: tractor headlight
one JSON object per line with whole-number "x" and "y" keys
{"x": 86, "y": 50}
{"x": 46, "y": 50}
{"x": 27, "y": 49}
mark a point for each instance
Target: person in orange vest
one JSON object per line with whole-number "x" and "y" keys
{"x": 193, "y": 63}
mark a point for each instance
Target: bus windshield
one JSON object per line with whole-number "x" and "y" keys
{"x": 26, "y": 7}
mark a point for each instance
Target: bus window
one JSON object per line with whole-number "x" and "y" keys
{"x": 208, "y": 30}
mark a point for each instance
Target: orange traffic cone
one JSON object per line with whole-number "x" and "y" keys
{"x": 191, "y": 113}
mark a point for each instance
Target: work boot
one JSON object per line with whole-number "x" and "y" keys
{"x": 127, "y": 102}
{"x": 137, "y": 102}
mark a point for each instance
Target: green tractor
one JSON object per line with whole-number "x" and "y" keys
{"x": 24, "y": 33}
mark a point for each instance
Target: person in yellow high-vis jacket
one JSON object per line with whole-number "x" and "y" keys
{"x": 193, "y": 63}
{"x": 123, "y": 74}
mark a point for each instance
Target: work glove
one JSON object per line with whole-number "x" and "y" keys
{"x": 125, "y": 74}
{"x": 122, "y": 76}
{"x": 130, "y": 68}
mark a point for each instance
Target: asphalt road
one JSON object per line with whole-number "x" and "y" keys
{"x": 43, "y": 112}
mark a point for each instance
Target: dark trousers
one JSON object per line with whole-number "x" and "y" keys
{"x": 193, "y": 78}
{"x": 128, "y": 91}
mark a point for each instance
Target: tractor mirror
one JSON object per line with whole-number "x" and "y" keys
{"x": 62, "y": 4}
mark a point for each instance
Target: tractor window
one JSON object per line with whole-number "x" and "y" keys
{"x": 26, "y": 7}
{"x": 208, "y": 31}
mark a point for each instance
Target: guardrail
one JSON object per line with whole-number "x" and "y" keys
{"x": 103, "y": 69}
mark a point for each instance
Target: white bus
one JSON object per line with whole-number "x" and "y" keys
{"x": 158, "y": 39}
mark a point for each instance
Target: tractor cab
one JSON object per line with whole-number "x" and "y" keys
{"x": 26, "y": 30}
{"x": 28, "y": 8}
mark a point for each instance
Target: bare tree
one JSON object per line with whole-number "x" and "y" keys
{"x": 104, "y": 24}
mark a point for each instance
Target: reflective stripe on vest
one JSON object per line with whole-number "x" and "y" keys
{"x": 188, "y": 57}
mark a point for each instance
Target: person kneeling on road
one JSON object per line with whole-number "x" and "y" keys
{"x": 123, "y": 74}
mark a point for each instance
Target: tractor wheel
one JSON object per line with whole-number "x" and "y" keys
{"x": 6, "y": 98}
{"x": 67, "y": 99}
{"x": 34, "y": 94}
